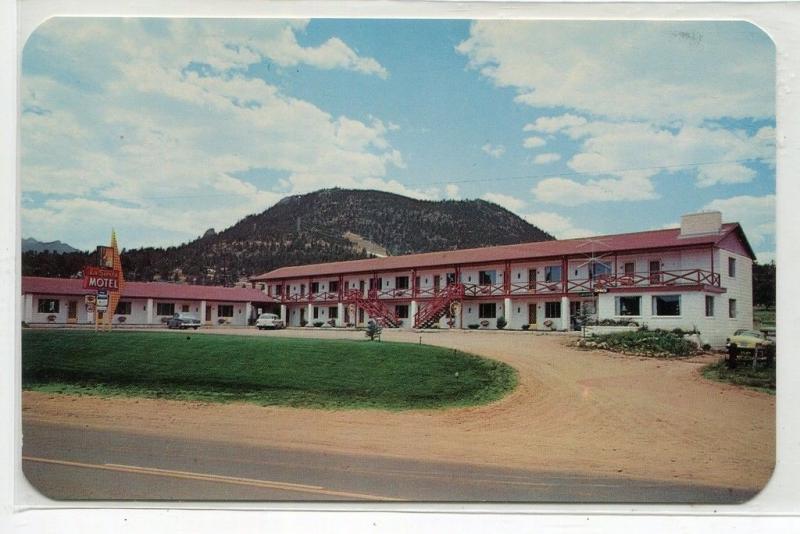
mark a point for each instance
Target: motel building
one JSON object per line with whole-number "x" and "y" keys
{"x": 696, "y": 276}
{"x": 62, "y": 301}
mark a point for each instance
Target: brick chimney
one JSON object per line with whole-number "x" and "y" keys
{"x": 694, "y": 224}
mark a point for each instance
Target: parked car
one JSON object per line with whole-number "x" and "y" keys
{"x": 749, "y": 340}
{"x": 183, "y": 321}
{"x": 269, "y": 320}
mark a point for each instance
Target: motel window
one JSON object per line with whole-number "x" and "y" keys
{"x": 333, "y": 286}
{"x": 487, "y": 310}
{"x": 450, "y": 278}
{"x": 629, "y": 306}
{"x": 709, "y": 306}
{"x": 314, "y": 287}
{"x": 225, "y": 310}
{"x": 165, "y": 308}
{"x": 416, "y": 282}
{"x": 552, "y": 273}
{"x": 486, "y": 278}
{"x": 48, "y": 306}
{"x": 630, "y": 268}
{"x": 333, "y": 312}
{"x": 667, "y": 305}
{"x": 302, "y": 289}
{"x": 732, "y": 308}
{"x": 597, "y": 268}
{"x": 401, "y": 282}
{"x": 732, "y": 267}
{"x": 552, "y": 310}
{"x": 185, "y": 308}
{"x": 278, "y": 290}
{"x": 401, "y": 311}
{"x": 123, "y": 307}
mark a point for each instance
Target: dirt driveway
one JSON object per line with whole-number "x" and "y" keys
{"x": 586, "y": 412}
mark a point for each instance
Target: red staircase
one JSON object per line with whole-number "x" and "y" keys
{"x": 376, "y": 309}
{"x": 438, "y": 306}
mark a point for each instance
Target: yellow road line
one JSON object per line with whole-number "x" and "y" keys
{"x": 270, "y": 484}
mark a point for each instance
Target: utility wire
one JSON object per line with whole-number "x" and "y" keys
{"x": 510, "y": 178}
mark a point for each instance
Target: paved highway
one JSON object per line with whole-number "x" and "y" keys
{"x": 72, "y": 463}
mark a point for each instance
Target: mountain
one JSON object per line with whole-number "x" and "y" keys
{"x": 34, "y": 245}
{"x": 326, "y": 225}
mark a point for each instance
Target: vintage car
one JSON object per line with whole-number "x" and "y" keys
{"x": 183, "y": 321}
{"x": 749, "y": 340}
{"x": 269, "y": 320}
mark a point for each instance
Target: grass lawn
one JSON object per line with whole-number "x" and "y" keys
{"x": 762, "y": 379}
{"x": 260, "y": 369}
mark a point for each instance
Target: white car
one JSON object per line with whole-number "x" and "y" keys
{"x": 269, "y": 320}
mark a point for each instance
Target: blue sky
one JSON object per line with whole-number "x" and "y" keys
{"x": 164, "y": 128}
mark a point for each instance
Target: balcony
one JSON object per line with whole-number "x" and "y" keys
{"x": 659, "y": 279}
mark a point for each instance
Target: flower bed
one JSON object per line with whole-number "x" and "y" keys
{"x": 656, "y": 343}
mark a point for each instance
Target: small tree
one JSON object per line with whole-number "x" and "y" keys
{"x": 373, "y": 331}
{"x": 501, "y": 323}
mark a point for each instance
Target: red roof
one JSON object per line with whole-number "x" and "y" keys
{"x": 155, "y": 290}
{"x": 653, "y": 239}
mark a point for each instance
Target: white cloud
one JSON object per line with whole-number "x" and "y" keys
{"x": 554, "y": 124}
{"x": 621, "y": 158}
{"x": 549, "y": 157}
{"x": 149, "y": 129}
{"x": 558, "y": 225}
{"x": 494, "y": 151}
{"x": 452, "y": 191}
{"x": 533, "y": 142}
{"x": 756, "y": 214}
{"x": 568, "y": 192}
{"x": 506, "y": 201}
{"x": 630, "y": 69}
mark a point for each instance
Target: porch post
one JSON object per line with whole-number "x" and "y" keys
{"x": 248, "y": 311}
{"x": 202, "y": 312}
{"x": 310, "y": 314}
{"x": 340, "y": 314}
{"x": 507, "y": 310}
{"x": 413, "y": 312}
{"x": 565, "y": 322}
{"x": 284, "y": 317}
{"x": 27, "y": 304}
{"x": 149, "y": 311}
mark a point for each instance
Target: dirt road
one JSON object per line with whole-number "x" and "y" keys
{"x": 593, "y": 413}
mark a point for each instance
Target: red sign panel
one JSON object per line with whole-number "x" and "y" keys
{"x": 100, "y": 278}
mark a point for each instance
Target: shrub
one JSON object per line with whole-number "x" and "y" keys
{"x": 318, "y": 323}
{"x": 332, "y": 322}
{"x": 121, "y": 319}
{"x": 373, "y": 330}
{"x": 526, "y": 326}
{"x": 303, "y": 322}
{"x": 654, "y": 343}
{"x": 501, "y": 323}
{"x": 473, "y": 326}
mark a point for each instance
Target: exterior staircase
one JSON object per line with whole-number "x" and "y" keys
{"x": 376, "y": 309}
{"x": 431, "y": 312}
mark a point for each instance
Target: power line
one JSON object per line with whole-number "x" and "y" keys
{"x": 512, "y": 178}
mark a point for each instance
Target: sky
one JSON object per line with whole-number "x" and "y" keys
{"x": 163, "y": 128}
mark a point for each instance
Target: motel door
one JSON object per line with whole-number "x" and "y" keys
{"x": 208, "y": 314}
{"x": 72, "y": 311}
{"x": 361, "y": 287}
{"x": 531, "y": 313}
{"x": 437, "y": 282}
{"x": 574, "y": 311}
{"x": 302, "y": 316}
{"x": 655, "y": 275}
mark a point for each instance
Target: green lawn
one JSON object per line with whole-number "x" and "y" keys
{"x": 260, "y": 369}
{"x": 762, "y": 379}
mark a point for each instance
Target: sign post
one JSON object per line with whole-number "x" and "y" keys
{"x": 107, "y": 280}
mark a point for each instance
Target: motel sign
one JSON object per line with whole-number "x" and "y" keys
{"x": 100, "y": 278}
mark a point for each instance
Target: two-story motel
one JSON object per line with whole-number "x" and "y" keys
{"x": 696, "y": 276}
